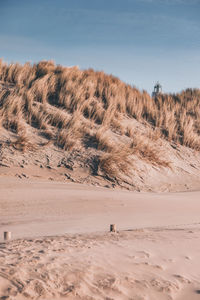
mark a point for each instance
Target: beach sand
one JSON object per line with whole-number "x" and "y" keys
{"x": 61, "y": 247}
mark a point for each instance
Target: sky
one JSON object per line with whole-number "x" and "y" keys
{"x": 139, "y": 41}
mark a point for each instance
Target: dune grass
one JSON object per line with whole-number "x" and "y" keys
{"x": 79, "y": 109}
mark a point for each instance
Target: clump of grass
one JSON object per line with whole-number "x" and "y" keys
{"x": 147, "y": 150}
{"x": 23, "y": 144}
{"x": 114, "y": 164}
{"x": 66, "y": 140}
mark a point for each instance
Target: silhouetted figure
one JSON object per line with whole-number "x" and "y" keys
{"x": 157, "y": 89}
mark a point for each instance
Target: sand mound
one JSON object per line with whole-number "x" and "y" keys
{"x": 89, "y": 127}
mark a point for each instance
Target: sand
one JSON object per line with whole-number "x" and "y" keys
{"x": 51, "y": 163}
{"x": 138, "y": 264}
{"x": 61, "y": 247}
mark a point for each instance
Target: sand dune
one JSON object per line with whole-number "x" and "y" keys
{"x": 80, "y": 150}
{"x": 87, "y": 127}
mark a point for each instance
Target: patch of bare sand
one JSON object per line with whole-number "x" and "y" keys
{"x": 40, "y": 208}
{"x": 146, "y": 264}
{"x": 158, "y": 260}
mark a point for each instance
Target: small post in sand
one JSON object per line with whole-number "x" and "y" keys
{"x": 7, "y": 235}
{"x": 113, "y": 228}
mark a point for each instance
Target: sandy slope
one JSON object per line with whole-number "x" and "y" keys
{"x": 155, "y": 254}
{"x": 54, "y": 164}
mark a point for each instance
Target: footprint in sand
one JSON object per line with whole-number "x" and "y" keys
{"x": 143, "y": 254}
{"x": 182, "y": 279}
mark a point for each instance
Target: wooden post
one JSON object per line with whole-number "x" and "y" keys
{"x": 7, "y": 235}
{"x": 113, "y": 228}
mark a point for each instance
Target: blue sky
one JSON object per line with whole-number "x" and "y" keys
{"x": 140, "y": 41}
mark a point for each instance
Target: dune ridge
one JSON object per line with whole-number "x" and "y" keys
{"x": 96, "y": 128}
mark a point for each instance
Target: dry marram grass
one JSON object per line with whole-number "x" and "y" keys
{"x": 84, "y": 109}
